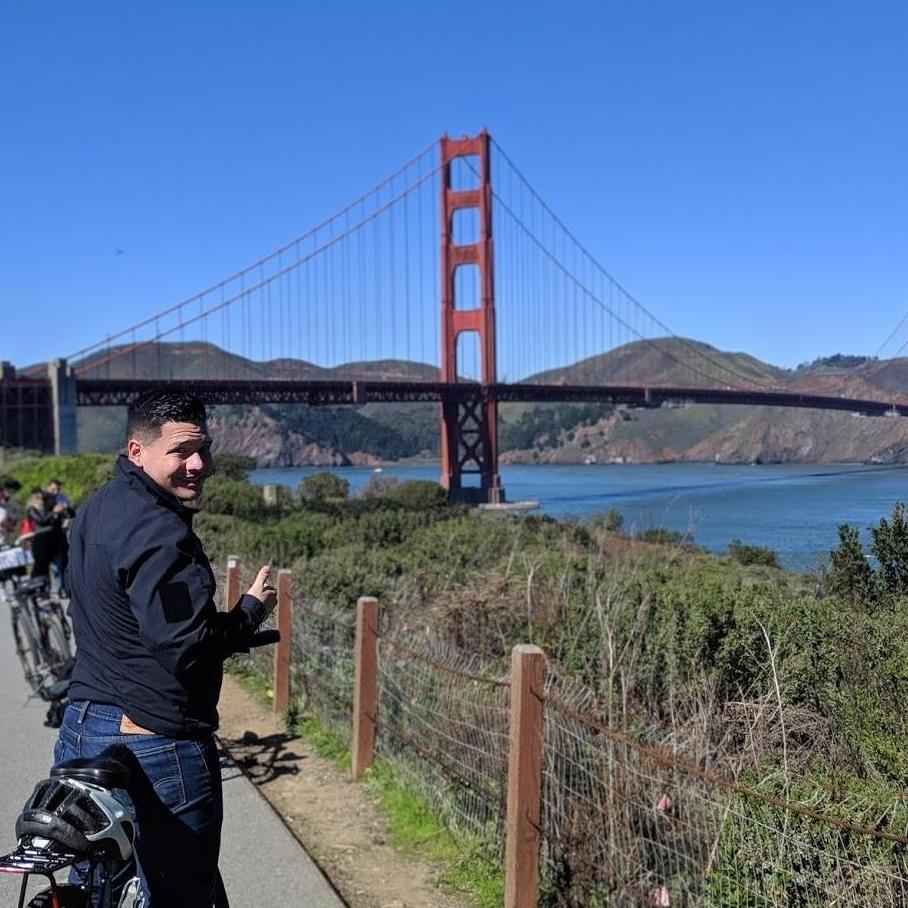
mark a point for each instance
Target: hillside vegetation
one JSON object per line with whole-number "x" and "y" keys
{"x": 795, "y": 683}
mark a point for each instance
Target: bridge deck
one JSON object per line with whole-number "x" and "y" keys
{"x": 107, "y": 392}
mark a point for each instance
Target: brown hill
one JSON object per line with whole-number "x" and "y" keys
{"x": 550, "y": 433}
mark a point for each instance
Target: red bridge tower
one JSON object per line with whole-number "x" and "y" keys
{"x": 469, "y": 421}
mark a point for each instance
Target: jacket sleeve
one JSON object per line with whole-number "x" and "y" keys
{"x": 171, "y": 598}
{"x": 41, "y": 518}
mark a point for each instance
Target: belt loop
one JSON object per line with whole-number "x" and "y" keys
{"x": 83, "y": 710}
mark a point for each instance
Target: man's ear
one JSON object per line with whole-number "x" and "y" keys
{"x": 134, "y": 451}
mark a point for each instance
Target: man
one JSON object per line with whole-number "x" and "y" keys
{"x": 151, "y": 645}
{"x": 62, "y": 511}
{"x": 58, "y": 497}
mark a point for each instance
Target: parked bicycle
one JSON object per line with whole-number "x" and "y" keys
{"x": 73, "y": 820}
{"x": 42, "y": 634}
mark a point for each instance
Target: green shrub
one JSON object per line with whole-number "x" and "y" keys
{"x": 889, "y": 545}
{"x": 661, "y": 536}
{"x": 379, "y": 487}
{"x": 418, "y": 495}
{"x": 234, "y": 466}
{"x": 611, "y": 520}
{"x": 233, "y": 496}
{"x": 323, "y": 486}
{"x": 752, "y": 554}
{"x": 79, "y": 474}
{"x": 849, "y": 574}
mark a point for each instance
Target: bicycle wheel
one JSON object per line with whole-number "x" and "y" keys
{"x": 28, "y": 646}
{"x": 57, "y": 655}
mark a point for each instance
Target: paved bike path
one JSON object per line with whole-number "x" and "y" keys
{"x": 261, "y": 861}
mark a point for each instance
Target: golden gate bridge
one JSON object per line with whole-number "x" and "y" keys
{"x": 441, "y": 283}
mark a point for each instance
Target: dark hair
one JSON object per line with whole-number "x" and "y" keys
{"x": 57, "y": 481}
{"x": 151, "y": 409}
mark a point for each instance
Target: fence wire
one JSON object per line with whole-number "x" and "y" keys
{"x": 625, "y": 823}
{"x": 322, "y": 663}
{"x": 629, "y": 824}
{"x": 443, "y": 724}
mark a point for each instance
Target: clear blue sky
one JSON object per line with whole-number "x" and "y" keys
{"x": 740, "y": 168}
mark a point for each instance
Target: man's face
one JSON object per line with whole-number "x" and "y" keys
{"x": 179, "y": 460}
{"x": 53, "y": 488}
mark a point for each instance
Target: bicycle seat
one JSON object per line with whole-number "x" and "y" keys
{"x": 35, "y": 585}
{"x": 50, "y": 693}
{"x": 103, "y": 771}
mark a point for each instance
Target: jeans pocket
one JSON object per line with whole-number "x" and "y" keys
{"x": 161, "y": 765}
{"x": 66, "y": 746}
{"x": 209, "y": 760}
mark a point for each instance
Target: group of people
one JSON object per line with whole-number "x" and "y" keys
{"x": 45, "y": 523}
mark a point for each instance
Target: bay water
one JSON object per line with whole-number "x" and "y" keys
{"x": 793, "y": 508}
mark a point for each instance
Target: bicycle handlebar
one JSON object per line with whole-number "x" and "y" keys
{"x": 264, "y": 638}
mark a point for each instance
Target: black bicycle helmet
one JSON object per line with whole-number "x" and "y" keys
{"x": 82, "y": 818}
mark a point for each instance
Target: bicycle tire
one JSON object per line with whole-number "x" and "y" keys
{"x": 28, "y": 646}
{"x": 57, "y": 648}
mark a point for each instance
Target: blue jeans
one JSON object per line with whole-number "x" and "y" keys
{"x": 174, "y": 795}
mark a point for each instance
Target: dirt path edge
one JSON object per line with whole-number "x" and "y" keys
{"x": 335, "y": 820}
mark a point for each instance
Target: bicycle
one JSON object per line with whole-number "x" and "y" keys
{"x": 72, "y": 818}
{"x": 41, "y": 633}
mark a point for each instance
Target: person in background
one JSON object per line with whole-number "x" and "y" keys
{"x": 62, "y": 507}
{"x": 39, "y": 520}
{"x": 57, "y": 496}
{"x": 8, "y": 516}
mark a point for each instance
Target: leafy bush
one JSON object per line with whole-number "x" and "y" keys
{"x": 752, "y": 554}
{"x": 611, "y": 520}
{"x": 234, "y": 466}
{"x": 79, "y": 474}
{"x": 661, "y": 536}
{"x": 383, "y": 527}
{"x": 379, "y": 487}
{"x": 849, "y": 574}
{"x": 418, "y": 495}
{"x": 323, "y": 486}
{"x": 889, "y": 545}
{"x": 234, "y": 497}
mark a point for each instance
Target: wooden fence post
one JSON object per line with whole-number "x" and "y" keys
{"x": 365, "y": 690}
{"x": 521, "y": 852}
{"x": 232, "y": 586}
{"x": 282, "y": 650}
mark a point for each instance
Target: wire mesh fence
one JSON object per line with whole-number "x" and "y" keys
{"x": 631, "y": 824}
{"x": 322, "y": 665}
{"x": 624, "y": 822}
{"x": 443, "y": 724}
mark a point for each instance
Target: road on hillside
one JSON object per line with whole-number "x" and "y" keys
{"x": 261, "y": 861}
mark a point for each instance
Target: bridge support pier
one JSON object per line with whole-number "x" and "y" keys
{"x": 63, "y": 401}
{"x": 469, "y": 448}
{"x": 469, "y": 424}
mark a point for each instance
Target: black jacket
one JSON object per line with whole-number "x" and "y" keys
{"x": 148, "y": 635}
